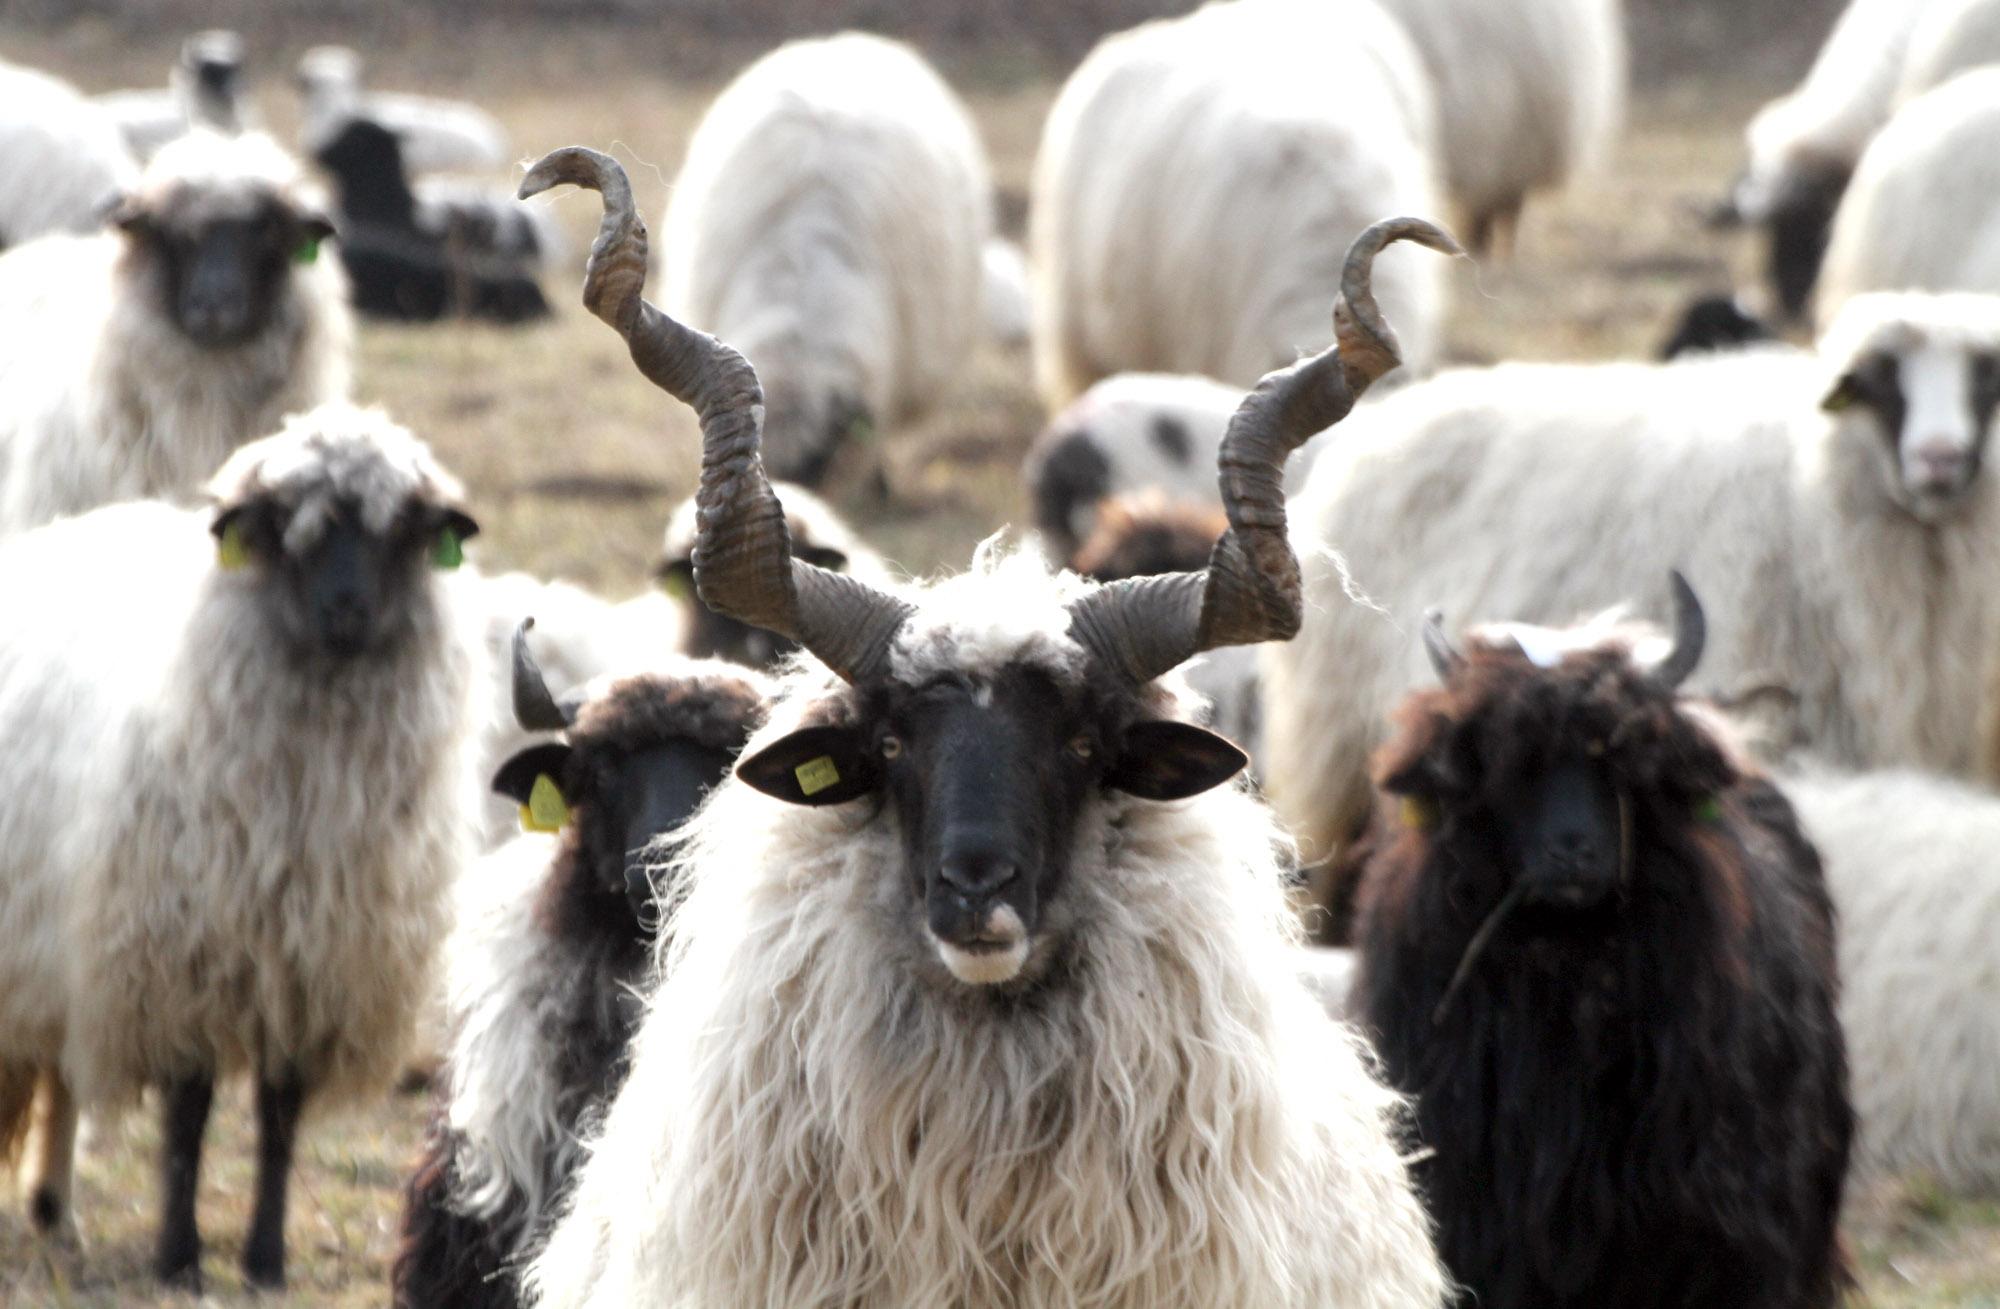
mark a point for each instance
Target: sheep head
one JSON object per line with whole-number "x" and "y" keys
{"x": 215, "y": 230}
{"x": 338, "y": 522}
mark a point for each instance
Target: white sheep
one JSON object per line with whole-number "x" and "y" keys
{"x": 829, "y": 220}
{"x": 1004, "y": 291}
{"x": 1950, "y": 37}
{"x": 1009, "y": 1031}
{"x": 1918, "y": 214}
{"x": 437, "y": 135}
{"x": 204, "y": 89}
{"x": 1199, "y": 177}
{"x": 134, "y": 360}
{"x": 1528, "y": 94}
{"x": 250, "y": 793}
{"x": 62, "y": 160}
{"x": 1830, "y": 506}
{"x": 1913, "y": 862}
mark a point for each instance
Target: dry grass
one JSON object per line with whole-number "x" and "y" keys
{"x": 573, "y": 462}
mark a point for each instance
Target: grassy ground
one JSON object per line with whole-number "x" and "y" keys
{"x": 573, "y": 463}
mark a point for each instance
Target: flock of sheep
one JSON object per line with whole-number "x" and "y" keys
{"x": 1297, "y": 877}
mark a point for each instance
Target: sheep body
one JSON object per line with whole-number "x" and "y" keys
{"x": 1199, "y": 178}
{"x": 204, "y": 89}
{"x": 1545, "y": 491}
{"x": 107, "y": 398}
{"x": 438, "y": 135}
{"x": 1910, "y": 860}
{"x": 1528, "y": 94}
{"x": 1950, "y": 37}
{"x": 829, "y": 221}
{"x": 63, "y": 156}
{"x": 1915, "y": 215}
{"x": 1180, "y": 1123}
{"x": 1004, "y": 291}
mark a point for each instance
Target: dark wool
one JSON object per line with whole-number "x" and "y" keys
{"x": 1144, "y": 535}
{"x": 1641, "y": 1104}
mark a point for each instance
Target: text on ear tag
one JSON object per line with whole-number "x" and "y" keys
{"x": 815, "y": 775}
{"x": 546, "y": 811}
{"x": 230, "y": 552}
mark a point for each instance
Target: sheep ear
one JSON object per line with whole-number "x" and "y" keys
{"x": 516, "y": 778}
{"x": 813, "y": 766}
{"x": 823, "y": 556}
{"x": 125, "y": 213}
{"x": 1172, "y": 761}
{"x": 460, "y": 523}
{"x": 1844, "y": 393}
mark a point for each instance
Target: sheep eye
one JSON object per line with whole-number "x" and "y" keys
{"x": 891, "y": 747}
{"x": 1081, "y": 749}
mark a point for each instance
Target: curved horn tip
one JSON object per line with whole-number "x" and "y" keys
{"x": 534, "y": 708}
{"x": 1445, "y": 658}
{"x": 579, "y": 165}
{"x": 1690, "y": 632}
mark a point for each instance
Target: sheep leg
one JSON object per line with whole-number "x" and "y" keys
{"x": 51, "y": 1157}
{"x": 279, "y": 1100}
{"x": 178, "y": 1260}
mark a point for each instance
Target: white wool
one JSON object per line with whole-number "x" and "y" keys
{"x": 1003, "y": 296}
{"x": 107, "y": 399}
{"x": 814, "y": 1119}
{"x": 437, "y": 135}
{"x": 1950, "y": 36}
{"x": 1528, "y": 93}
{"x": 1536, "y": 492}
{"x": 1200, "y": 179}
{"x": 1913, "y": 862}
{"x": 1918, "y": 214}
{"x": 61, "y": 156}
{"x": 810, "y": 521}
{"x": 828, "y": 223}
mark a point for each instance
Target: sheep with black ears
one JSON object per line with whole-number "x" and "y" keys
{"x": 135, "y": 360}
{"x": 252, "y": 795}
{"x": 829, "y": 220}
{"x": 1009, "y": 1032}
{"x": 1833, "y": 503}
{"x": 1198, "y": 178}
{"x": 554, "y": 943}
{"x": 63, "y": 156}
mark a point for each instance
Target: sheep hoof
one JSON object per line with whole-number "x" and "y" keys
{"x": 265, "y": 1274}
{"x": 180, "y": 1271}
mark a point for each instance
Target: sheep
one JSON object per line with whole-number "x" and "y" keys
{"x": 553, "y": 942}
{"x": 62, "y": 156}
{"x": 133, "y": 361}
{"x": 1949, "y": 37}
{"x": 205, "y": 877}
{"x": 1599, "y": 954}
{"x": 1527, "y": 93}
{"x": 1910, "y": 860}
{"x": 1833, "y": 503}
{"x": 829, "y": 220}
{"x": 413, "y": 261}
{"x": 1003, "y": 295}
{"x": 204, "y": 89}
{"x": 1801, "y": 147}
{"x": 1714, "y": 322}
{"x": 818, "y": 535}
{"x": 1198, "y": 178}
{"x": 896, "y": 1070}
{"x": 1918, "y": 214}
{"x": 437, "y": 135}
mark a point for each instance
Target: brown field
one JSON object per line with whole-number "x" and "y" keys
{"x": 573, "y": 463}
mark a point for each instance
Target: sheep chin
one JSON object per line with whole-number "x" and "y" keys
{"x": 990, "y": 966}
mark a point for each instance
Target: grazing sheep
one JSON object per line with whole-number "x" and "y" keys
{"x": 1918, "y": 215}
{"x": 1003, "y": 293}
{"x": 1008, "y": 1032}
{"x": 416, "y": 262}
{"x": 1599, "y": 954}
{"x": 553, "y": 944}
{"x": 1199, "y": 177}
{"x": 819, "y": 537}
{"x": 1714, "y": 322}
{"x": 63, "y": 158}
{"x": 1801, "y": 147}
{"x": 1833, "y": 503}
{"x": 829, "y": 221}
{"x": 1950, "y": 36}
{"x": 204, "y": 89}
{"x": 1528, "y": 94}
{"x": 135, "y": 360}
{"x": 1911, "y": 860}
{"x": 438, "y": 136}
{"x": 251, "y": 794}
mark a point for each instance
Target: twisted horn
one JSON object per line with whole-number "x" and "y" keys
{"x": 1445, "y": 658}
{"x": 534, "y": 708}
{"x": 1144, "y": 626}
{"x": 743, "y": 564}
{"x": 1690, "y": 634}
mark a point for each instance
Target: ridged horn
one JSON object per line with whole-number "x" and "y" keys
{"x": 534, "y": 708}
{"x": 743, "y": 564}
{"x": 1141, "y": 627}
{"x": 1690, "y": 634}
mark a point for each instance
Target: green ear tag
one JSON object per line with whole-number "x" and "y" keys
{"x": 1708, "y": 809}
{"x": 230, "y": 552}
{"x": 307, "y": 251}
{"x": 545, "y": 810}
{"x": 450, "y": 551}
{"x": 815, "y": 775}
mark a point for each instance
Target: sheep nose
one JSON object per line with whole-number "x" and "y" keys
{"x": 1942, "y": 462}
{"x": 977, "y": 873}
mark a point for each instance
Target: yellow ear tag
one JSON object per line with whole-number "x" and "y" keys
{"x": 545, "y": 811}
{"x": 1837, "y": 399}
{"x": 230, "y": 552}
{"x": 1417, "y": 813}
{"x": 677, "y": 584}
{"x": 815, "y": 775}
